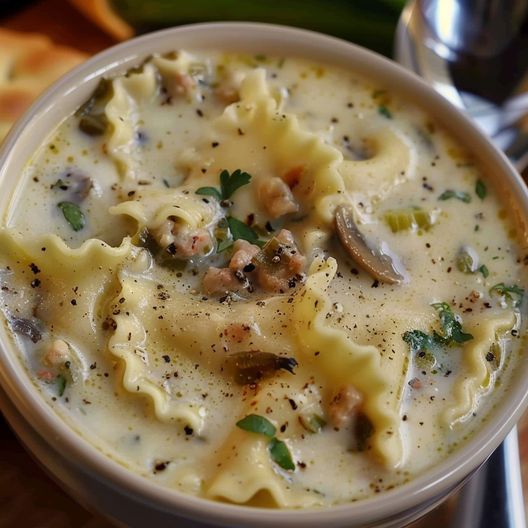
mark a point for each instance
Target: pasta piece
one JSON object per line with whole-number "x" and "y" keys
{"x": 472, "y": 383}
{"x": 342, "y": 361}
{"x": 152, "y": 208}
{"x": 73, "y": 284}
{"x": 244, "y": 471}
{"x": 394, "y": 162}
{"x": 253, "y": 135}
{"x": 122, "y": 113}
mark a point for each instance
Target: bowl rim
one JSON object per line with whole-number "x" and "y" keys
{"x": 28, "y": 400}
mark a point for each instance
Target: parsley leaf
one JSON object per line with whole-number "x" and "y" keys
{"x": 229, "y": 183}
{"x": 280, "y": 454}
{"x": 459, "y": 195}
{"x": 73, "y": 215}
{"x": 257, "y": 424}
{"x": 480, "y": 189}
{"x": 451, "y": 326}
{"x": 513, "y": 293}
{"x": 418, "y": 341}
{"x": 209, "y": 191}
{"x": 239, "y": 230}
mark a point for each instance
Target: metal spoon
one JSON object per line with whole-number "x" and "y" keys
{"x": 435, "y": 35}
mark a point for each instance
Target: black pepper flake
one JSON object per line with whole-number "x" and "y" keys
{"x": 166, "y": 358}
{"x": 160, "y": 466}
{"x": 292, "y": 404}
{"x": 199, "y": 112}
{"x": 34, "y": 268}
{"x": 73, "y": 302}
{"x": 375, "y": 284}
{"x": 215, "y": 144}
{"x": 35, "y": 283}
{"x": 188, "y": 430}
{"x": 490, "y": 356}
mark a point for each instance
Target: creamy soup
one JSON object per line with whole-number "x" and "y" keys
{"x": 262, "y": 280}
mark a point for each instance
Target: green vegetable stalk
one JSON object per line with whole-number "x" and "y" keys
{"x": 370, "y": 23}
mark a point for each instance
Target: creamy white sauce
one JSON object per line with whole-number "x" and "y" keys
{"x": 346, "y": 111}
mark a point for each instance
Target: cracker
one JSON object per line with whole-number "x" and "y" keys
{"x": 29, "y": 63}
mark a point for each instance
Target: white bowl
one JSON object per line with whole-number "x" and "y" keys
{"x": 101, "y": 483}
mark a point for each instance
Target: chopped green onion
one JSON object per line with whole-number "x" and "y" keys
{"x": 255, "y": 423}
{"x": 459, "y": 195}
{"x": 73, "y": 215}
{"x": 280, "y": 454}
{"x": 480, "y": 189}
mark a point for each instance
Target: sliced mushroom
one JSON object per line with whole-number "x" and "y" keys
{"x": 26, "y": 328}
{"x": 375, "y": 262}
{"x": 251, "y": 367}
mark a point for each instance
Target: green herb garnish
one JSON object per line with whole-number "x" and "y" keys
{"x": 484, "y": 270}
{"x": 408, "y": 219}
{"x": 239, "y": 230}
{"x": 257, "y": 424}
{"x": 480, "y": 189}
{"x": 61, "y": 384}
{"x": 384, "y": 111}
{"x": 73, "y": 215}
{"x": 421, "y": 343}
{"x": 451, "y": 326}
{"x": 229, "y": 183}
{"x": 312, "y": 423}
{"x": 209, "y": 191}
{"x": 466, "y": 261}
{"x": 280, "y": 454}
{"x": 459, "y": 195}
{"x": 418, "y": 341}
{"x": 513, "y": 293}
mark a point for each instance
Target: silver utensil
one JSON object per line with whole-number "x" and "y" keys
{"x": 432, "y": 35}
{"x": 435, "y": 34}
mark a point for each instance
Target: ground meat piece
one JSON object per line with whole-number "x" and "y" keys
{"x": 344, "y": 405}
{"x": 280, "y": 264}
{"x": 219, "y": 281}
{"x": 178, "y": 84}
{"x": 243, "y": 252}
{"x": 276, "y": 197}
{"x": 236, "y": 332}
{"x": 57, "y": 353}
{"x": 181, "y": 241}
